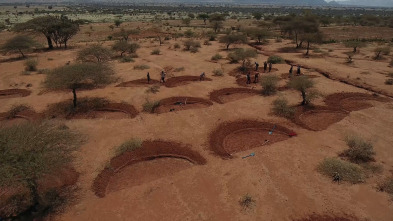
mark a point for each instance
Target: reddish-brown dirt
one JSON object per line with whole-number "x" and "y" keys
{"x": 9, "y": 93}
{"x": 230, "y": 94}
{"x": 138, "y": 82}
{"x": 242, "y": 81}
{"x": 150, "y": 150}
{"x": 317, "y": 217}
{"x": 183, "y": 80}
{"x": 27, "y": 114}
{"x": 286, "y": 75}
{"x": 318, "y": 118}
{"x": 238, "y": 73}
{"x": 231, "y": 137}
{"x": 352, "y": 101}
{"x": 181, "y": 103}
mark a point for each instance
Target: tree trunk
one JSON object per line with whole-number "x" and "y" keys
{"x": 308, "y": 47}
{"x": 50, "y": 44}
{"x": 297, "y": 46}
{"x": 354, "y": 49}
{"x": 304, "y": 102}
{"x": 23, "y": 55}
{"x": 204, "y": 20}
{"x": 228, "y": 46}
{"x": 74, "y": 93}
{"x": 65, "y": 44}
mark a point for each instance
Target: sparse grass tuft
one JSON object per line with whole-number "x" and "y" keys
{"x": 141, "y": 67}
{"x": 156, "y": 52}
{"x": 281, "y": 108}
{"x": 247, "y": 202}
{"x": 179, "y": 69}
{"x": 360, "y": 151}
{"x": 31, "y": 64}
{"x": 129, "y": 145}
{"x": 389, "y": 81}
{"x": 176, "y": 46}
{"x": 386, "y": 186}
{"x": 218, "y": 72}
{"x": 216, "y": 57}
{"x": 150, "y": 106}
{"x": 126, "y": 59}
{"x": 347, "y": 171}
{"x": 153, "y": 89}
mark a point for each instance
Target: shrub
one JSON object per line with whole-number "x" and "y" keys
{"x": 141, "y": 67}
{"x": 216, "y": 57}
{"x": 218, "y": 72}
{"x": 126, "y": 59}
{"x": 190, "y": 44}
{"x": 281, "y": 108}
{"x": 43, "y": 71}
{"x": 150, "y": 106}
{"x": 40, "y": 149}
{"x": 156, "y": 51}
{"x": 389, "y": 81}
{"x": 381, "y": 51}
{"x": 31, "y": 64}
{"x": 360, "y": 151}
{"x": 302, "y": 84}
{"x": 269, "y": 84}
{"x": 207, "y": 42}
{"x": 347, "y": 171}
{"x": 386, "y": 186}
{"x": 176, "y": 45}
{"x": 15, "y": 110}
{"x": 153, "y": 89}
{"x": 194, "y": 50}
{"x": 247, "y": 202}
{"x": 275, "y": 59}
{"x": 129, "y": 145}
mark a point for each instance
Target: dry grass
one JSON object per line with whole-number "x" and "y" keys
{"x": 347, "y": 171}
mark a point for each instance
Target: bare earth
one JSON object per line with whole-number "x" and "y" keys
{"x": 281, "y": 177}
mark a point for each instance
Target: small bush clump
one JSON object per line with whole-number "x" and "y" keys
{"x": 389, "y": 81}
{"x": 150, "y": 106}
{"x": 156, "y": 51}
{"x": 141, "y": 67}
{"x": 269, "y": 84}
{"x": 129, "y": 145}
{"x": 126, "y": 59}
{"x": 281, "y": 108}
{"x": 153, "y": 89}
{"x": 176, "y": 46}
{"x": 386, "y": 186}
{"x": 347, "y": 171}
{"x": 216, "y": 57}
{"x": 218, "y": 72}
{"x": 360, "y": 151}
{"x": 31, "y": 64}
{"x": 275, "y": 59}
{"x": 247, "y": 202}
{"x": 15, "y": 110}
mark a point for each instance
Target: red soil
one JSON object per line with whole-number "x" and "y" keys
{"x": 231, "y": 137}
{"x": 352, "y": 101}
{"x": 120, "y": 107}
{"x": 149, "y": 151}
{"x": 9, "y": 93}
{"x": 315, "y": 217}
{"x": 238, "y": 73}
{"x": 138, "y": 82}
{"x": 183, "y": 80}
{"x": 318, "y": 118}
{"x": 181, "y": 103}
{"x": 229, "y": 94}
{"x": 286, "y": 75}
{"x": 242, "y": 81}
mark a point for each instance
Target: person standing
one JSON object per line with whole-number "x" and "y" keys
{"x": 290, "y": 71}
{"x": 298, "y": 70}
{"x": 202, "y": 76}
{"x": 270, "y": 66}
{"x": 162, "y": 77}
{"x": 256, "y": 66}
{"x": 148, "y": 77}
{"x": 256, "y": 79}
{"x": 264, "y": 66}
{"x": 248, "y": 76}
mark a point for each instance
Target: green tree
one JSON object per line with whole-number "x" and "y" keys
{"x": 79, "y": 75}
{"x": 19, "y": 44}
{"x": 94, "y": 53}
{"x": 311, "y": 38}
{"x": 355, "y": 44}
{"x": 118, "y": 22}
{"x": 258, "y": 33}
{"x": 298, "y": 26}
{"x": 27, "y": 153}
{"x": 233, "y": 39}
{"x": 242, "y": 54}
{"x": 216, "y": 21}
{"x": 191, "y": 15}
{"x": 123, "y": 47}
{"x": 204, "y": 17}
{"x": 125, "y": 34}
{"x": 302, "y": 84}
{"x": 257, "y": 15}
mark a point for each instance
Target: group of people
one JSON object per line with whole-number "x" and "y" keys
{"x": 265, "y": 66}
{"x": 162, "y": 79}
{"x": 298, "y": 72}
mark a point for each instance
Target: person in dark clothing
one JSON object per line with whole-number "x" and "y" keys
{"x": 290, "y": 71}
{"x": 248, "y": 76}
{"x": 256, "y": 66}
{"x": 256, "y": 77}
{"x": 264, "y": 66}
{"x": 148, "y": 77}
{"x": 202, "y": 76}
{"x": 298, "y": 70}
{"x": 162, "y": 77}
{"x": 270, "y": 66}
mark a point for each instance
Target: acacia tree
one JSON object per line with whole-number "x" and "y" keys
{"x": 302, "y": 84}
{"x": 258, "y": 33}
{"x": 204, "y": 17}
{"x": 216, "y": 21}
{"x": 94, "y": 53}
{"x": 311, "y": 38}
{"x": 118, "y": 22}
{"x": 78, "y": 76}
{"x": 300, "y": 25}
{"x": 233, "y": 39}
{"x": 19, "y": 43}
{"x": 123, "y": 47}
{"x": 242, "y": 54}
{"x": 125, "y": 34}
{"x": 28, "y": 152}
{"x": 257, "y": 15}
{"x": 355, "y": 44}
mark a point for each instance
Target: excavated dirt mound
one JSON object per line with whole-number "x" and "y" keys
{"x": 239, "y": 73}
{"x": 353, "y": 101}
{"x": 183, "y": 80}
{"x": 318, "y": 118}
{"x": 181, "y": 103}
{"x": 242, "y": 81}
{"x": 230, "y": 94}
{"x": 286, "y": 75}
{"x": 316, "y": 217}
{"x": 9, "y": 93}
{"x": 138, "y": 82}
{"x": 150, "y": 150}
{"x": 232, "y": 137}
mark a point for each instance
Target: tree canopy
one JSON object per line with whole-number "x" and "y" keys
{"x": 125, "y": 47}
{"x": 19, "y": 43}
{"x": 94, "y": 53}
{"x": 124, "y": 34}
{"x": 242, "y": 54}
{"x": 302, "y": 84}
{"x": 233, "y": 39}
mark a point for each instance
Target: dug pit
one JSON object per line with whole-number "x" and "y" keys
{"x": 183, "y": 80}
{"x": 226, "y": 95}
{"x": 353, "y": 101}
{"x": 138, "y": 82}
{"x": 10, "y": 93}
{"x": 181, "y": 103}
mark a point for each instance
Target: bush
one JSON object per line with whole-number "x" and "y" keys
{"x": 194, "y": 50}
{"x": 386, "y": 186}
{"x": 216, "y": 57}
{"x": 360, "y": 151}
{"x": 281, "y": 108}
{"x": 389, "y": 81}
{"x": 15, "y": 110}
{"x": 190, "y": 44}
{"x": 43, "y": 71}
{"x": 218, "y": 72}
{"x": 141, "y": 67}
{"x": 126, "y": 59}
{"x": 129, "y": 145}
{"x": 153, "y": 89}
{"x": 207, "y": 42}
{"x": 176, "y": 45}
{"x": 31, "y": 64}
{"x": 275, "y": 59}
{"x": 347, "y": 171}
{"x": 247, "y": 202}
{"x": 269, "y": 84}
{"x": 150, "y": 106}
{"x": 156, "y": 51}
